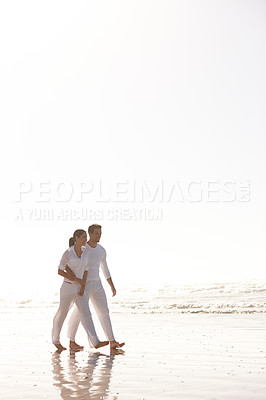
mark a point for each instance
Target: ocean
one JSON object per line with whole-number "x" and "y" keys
{"x": 210, "y": 298}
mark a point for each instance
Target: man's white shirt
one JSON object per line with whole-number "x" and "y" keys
{"x": 97, "y": 259}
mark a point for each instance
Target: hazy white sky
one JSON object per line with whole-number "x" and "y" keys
{"x": 126, "y": 94}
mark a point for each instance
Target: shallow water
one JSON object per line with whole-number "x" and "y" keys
{"x": 221, "y": 298}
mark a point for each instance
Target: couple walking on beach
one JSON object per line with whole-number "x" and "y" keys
{"x": 80, "y": 266}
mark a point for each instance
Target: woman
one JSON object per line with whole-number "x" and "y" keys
{"x": 73, "y": 290}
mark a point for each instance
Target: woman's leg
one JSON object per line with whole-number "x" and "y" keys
{"x": 86, "y": 319}
{"x": 67, "y": 296}
{"x": 73, "y": 324}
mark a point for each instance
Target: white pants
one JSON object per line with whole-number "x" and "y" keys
{"x": 95, "y": 293}
{"x": 68, "y": 296}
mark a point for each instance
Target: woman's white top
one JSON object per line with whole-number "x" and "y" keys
{"x": 97, "y": 259}
{"x": 78, "y": 265}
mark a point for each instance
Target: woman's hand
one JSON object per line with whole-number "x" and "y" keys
{"x": 70, "y": 274}
{"x": 81, "y": 292}
{"x": 83, "y": 283}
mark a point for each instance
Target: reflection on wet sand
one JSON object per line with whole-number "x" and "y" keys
{"x": 86, "y": 380}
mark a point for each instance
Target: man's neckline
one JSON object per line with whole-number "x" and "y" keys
{"x": 91, "y": 246}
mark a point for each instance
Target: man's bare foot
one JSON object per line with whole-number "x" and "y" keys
{"x": 74, "y": 346}
{"x": 116, "y": 352}
{"x": 101, "y": 344}
{"x": 59, "y": 346}
{"x": 114, "y": 344}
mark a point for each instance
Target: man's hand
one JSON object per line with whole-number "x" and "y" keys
{"x": 70, "y": 274}
{"x": 109, "y": 280}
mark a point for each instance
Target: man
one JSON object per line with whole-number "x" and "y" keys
{"x": 94, "y": 290}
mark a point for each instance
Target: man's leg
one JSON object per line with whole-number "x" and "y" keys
{"x": 87, "y": 322}
{"x": 99, "y": 302}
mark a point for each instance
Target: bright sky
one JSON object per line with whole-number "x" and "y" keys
{"x": 116, "y": 96}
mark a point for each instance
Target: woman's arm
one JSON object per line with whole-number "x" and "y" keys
{"x": 70, "y": 274}
{"x": 63, "y": 269}
{"x": 67, "y": 273}
{"x": 83, "y": 280}
{"x": 62, "y": 273}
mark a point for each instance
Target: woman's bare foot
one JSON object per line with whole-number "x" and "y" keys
{"x": 114, "y": 344}
{"x": 74, "y": 346}
{"x": 101, "y": 344}
{"x": 59, "y": 346}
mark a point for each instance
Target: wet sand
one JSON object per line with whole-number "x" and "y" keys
{"x": 170, "y": 356}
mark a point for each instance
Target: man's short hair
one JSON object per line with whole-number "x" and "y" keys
{"x": 94, "y": 226}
